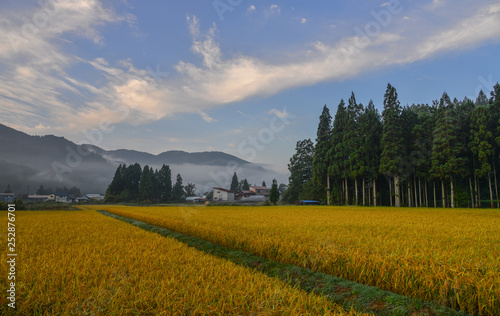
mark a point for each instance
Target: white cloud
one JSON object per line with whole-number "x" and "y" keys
{"x": 251, "y": 9}
{"x": 207, "y": 118}
{"x": 481, "y": 27}
{"x": 274, "y": 9}
{"x": 303, "y": 20}
{"x": 34, "y": 79}
{"x": 36, "y": 90}
{"x": 385, "y": 4}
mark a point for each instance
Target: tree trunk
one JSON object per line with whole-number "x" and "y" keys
{"x": 471, "y": 193}
{"x": 491, "y": 190}
{"x": 409, "y": 193}
{"x": 415, "y": 196}
{"x": 478, "y": 191}
{"x": 420, "y": 191}
{"x": 374, "y": 193}
{"x": 346, "y": 193}
{"x": 496, "y": 185}
{"x": 364, "y": 192}
{"x": 443, "y": 194}
{"x": 369, "y": 195}
{"x": 426, "y": 195}
{"x": 434, "y": 184}
{"x": 452, "y": 194}
{"x": 327, "y": 189}
{"x": 356, "y": 191}
{"x": 397, "y": 201}
{"x": 390, "y": 190}
{"x": 342, "y": 192}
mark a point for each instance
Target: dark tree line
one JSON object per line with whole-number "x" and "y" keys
{"x": 445, "y": 154}
{"x": 73, "y": 191}
{"x": 133, "y": 183}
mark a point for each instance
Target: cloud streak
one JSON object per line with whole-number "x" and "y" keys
{"x": 37, "y": 90}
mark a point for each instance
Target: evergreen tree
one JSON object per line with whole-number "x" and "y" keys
{"x": 409, "y": 119}
{"x": 274, "y": 193}
{"x": 178, "y": 189}
{"x": 234, "y": 183}
{"x": 264, "y": 183}
{"x": 245, "y": 186}
{"x": 464, "y": 112}
{"x": 338, "y": 155}
{"x": 321, "y": 159}
{"x": 482, "y": 145}
{"x": 392, "y": 141}
{"x": 371, "y": 133}
{"x": 482, "y": 99}
{"x": 146, "y": 185}
{"x": 446, "y": 160}
{"x": 422, "y": 148}
{"x": 300, "y": 168}
{"x": 164, "y": 184}
{"x": 495, "y": 129}
{"x": 352, "y": 139}
{"x": 116, "y": 185}
{"x": 131, "y": 180}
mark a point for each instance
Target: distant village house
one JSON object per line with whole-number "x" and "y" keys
{"x": 221, "y": 194}
{"x": 7, "y": 197}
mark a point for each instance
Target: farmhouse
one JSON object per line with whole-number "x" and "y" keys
{"x": 61, "y": 197}
{"x": 221, "y": 194}
{"x": 260, "y": 190}
{"x": 244, "y": 194}
{"x": 82, "y": 199}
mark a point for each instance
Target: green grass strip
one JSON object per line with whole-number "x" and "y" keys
{"x": 349, "y": 294}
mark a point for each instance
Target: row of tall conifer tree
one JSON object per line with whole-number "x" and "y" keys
{"x": 444, "y": 154}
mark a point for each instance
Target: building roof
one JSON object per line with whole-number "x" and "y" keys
{"x": 7, "y": 194}
{"x": 38, "y": 196}
{"x": 222, "y": 189}
{"x": 259, "y": 188}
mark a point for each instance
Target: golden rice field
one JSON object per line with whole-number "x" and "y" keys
{"x": 84, "y": 263}
{"x": 442, "y": 255}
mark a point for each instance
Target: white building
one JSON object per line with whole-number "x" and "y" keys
{"x": 221, "y": 194}
{"x": 61, "y": 197}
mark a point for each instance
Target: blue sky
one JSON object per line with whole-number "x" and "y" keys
{"x": 245, "y": 77}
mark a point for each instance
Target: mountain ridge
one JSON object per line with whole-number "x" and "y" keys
{"x": 56, "y": 161}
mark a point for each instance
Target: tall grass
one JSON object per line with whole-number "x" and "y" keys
{"x": 87, "y": 264}
{"x": 447, "y": 256}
